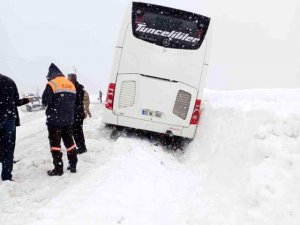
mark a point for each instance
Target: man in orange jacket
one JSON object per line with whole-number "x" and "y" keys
{"x": 59, "y": 98}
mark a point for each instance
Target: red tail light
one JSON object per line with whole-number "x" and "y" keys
{"x": 196, "y": 113}
{"x": 109, "y": 103}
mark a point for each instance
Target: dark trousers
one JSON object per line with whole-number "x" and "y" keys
{"x": 56, "y": 134}
{"x": 78, "y": 135}
{"x": 7, "y": 147}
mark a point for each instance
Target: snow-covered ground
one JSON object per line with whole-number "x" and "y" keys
{"x": 242, "y": 168}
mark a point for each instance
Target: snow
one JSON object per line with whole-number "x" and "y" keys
{"x": 242, "y": 168}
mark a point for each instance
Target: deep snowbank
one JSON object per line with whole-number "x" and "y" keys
{"x": 248, "y": 154}
{"x": 242, "y": 168}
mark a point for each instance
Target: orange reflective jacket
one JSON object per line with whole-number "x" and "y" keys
{"x": 62, "y": 84}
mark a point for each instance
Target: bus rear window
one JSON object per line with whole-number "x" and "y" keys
{"x": 167, "y": 27}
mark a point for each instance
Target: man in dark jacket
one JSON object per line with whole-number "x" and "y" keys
{"x": 79, "y": 114}
{"x": 9, "y": 119}
{"x": 59, "y": 98}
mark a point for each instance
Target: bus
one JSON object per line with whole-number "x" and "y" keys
{"x": 159, "y": 70}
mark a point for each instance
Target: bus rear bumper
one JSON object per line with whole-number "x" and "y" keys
{"x": 188, "y": 132}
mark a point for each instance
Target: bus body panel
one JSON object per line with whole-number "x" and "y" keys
{"x": 116, "y": 64}
{"x": 149, "y": 126}
{"x": 125, "y": 23}
{"x": 189, "y": 132}
{"x": 138, "y": 96}
{"x": 173, "y": 64}
{"x": 109, "y": 117}
{"x": 149, "y": 81}
{"x": 114, "y": 119}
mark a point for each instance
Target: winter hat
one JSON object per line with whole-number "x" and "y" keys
{"x": 72, "y": 77}
{"x": 53, "y": 71}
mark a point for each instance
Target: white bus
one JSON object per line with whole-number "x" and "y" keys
{"x": 159, "y": 70}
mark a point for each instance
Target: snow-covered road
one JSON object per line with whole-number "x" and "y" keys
{"x": 242, "y": 168}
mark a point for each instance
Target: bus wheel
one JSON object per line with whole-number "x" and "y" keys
{"x": 176, "y": 143}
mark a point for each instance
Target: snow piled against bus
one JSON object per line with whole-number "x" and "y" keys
{"x": 242, "y": 168}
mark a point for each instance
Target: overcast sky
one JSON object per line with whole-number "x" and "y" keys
{"x": 255, "y": 42}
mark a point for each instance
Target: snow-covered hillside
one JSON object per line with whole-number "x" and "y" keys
{"x": 242, "y": 168}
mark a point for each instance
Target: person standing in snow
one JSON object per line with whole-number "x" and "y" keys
{"x": 100, "y": 96}
{"x": 86, "y": 104}
{"x": 79, "y": 115}
{"x": 9, "y": 119}
{"x": 59, "y": 97}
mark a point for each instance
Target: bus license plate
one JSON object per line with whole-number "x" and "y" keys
{"x": 148, "y": 112}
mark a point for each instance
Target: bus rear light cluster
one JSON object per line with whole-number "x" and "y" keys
{"x": 196, "y": 113}
{"x": 139, "y": 19}
{"x": 109, "y": 103}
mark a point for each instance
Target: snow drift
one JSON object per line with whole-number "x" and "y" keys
{"x": 242, "y": 168}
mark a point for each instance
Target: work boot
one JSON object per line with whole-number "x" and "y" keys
{"x": 10, "y": 180}
{"x": 58, "y": 164}
{"x": 72, "y": 169}
{"x": 55, "y": 172}
{"x": 72, "y": 157}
